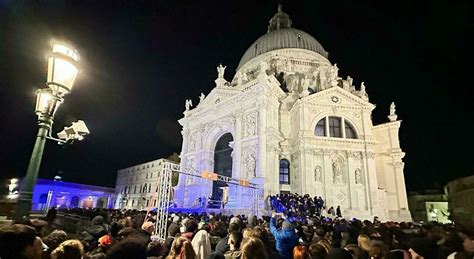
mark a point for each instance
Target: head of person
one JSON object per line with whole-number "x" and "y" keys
{"x": 378, "y": 250}
{"x": 286, "y": 225}
{"x": 19, "y": 241}
{"x": 317, "y": 251}
{"x": 126, "y": 233}
{"x": 148, "y": 227}
{"x": 128, "y": 248}
{"x": 338, "y": 253}
{"x": 355, "y": 250}
{"x": 69, "y": 249}
{"x": 422, "y": 247}
{"x": 364, "y": 242}
{"x": 153, "y": 249}
{"x": 252, "y": 247}
{"x": 182, "y": 248}
{"x": 234, "y": 240}
{"x": 54, "y": 239}
{"x": 300, "y": 252}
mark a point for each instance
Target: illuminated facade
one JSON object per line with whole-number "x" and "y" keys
{"x": 288, "y": 122}
{"x": 137, "y": 186}
{"x": 49, "y": 193}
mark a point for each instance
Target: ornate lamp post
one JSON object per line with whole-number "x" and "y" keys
{"x": 62, "y": 72}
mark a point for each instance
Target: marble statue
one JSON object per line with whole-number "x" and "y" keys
{"x": 250, "y": 166}
{"x": 305, "y": 83}
{"x": 392, "y": 116}
{"x": 201, "y": 98}
{"x": 362, "y": 92}
{"x": 288, "y": 65}
{"x": 332, "y": 75}
{"x": 244, "y": 77}
{"x": 220, "y": 71}
{"x": 358, "y": 176}
{"x": 337, "y": 172}
{"x": 188, "y": 104}
{"x": 251, "y": 125}
{"x": 317, "y": 173}
{"x": 263, "y": 68}
{"x": 238, "y": 77}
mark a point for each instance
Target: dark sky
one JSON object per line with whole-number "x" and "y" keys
{"x": 142, "y": 59}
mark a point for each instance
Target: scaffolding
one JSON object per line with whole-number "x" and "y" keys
{"x": 164, "y": 192}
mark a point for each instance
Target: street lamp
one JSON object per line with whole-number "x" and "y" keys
{"x": 62, "y": 72}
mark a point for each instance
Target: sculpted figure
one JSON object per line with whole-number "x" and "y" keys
{"x": 250, "y": 164}
{"x": 392, "y": 109}
{"x": 188, "y": 104}
{"x": 362, "y": 92}
{"x": 201, "y": 97}
{"x": 263, "y": 68}
{"x": 337, "y": 172}
{"x": 332, "y": 75}
{"x": 220, "y": 71}
{"x": 317, "y": 174}
{"x": 244, "y": 77}
{"x": 358, "y": 176}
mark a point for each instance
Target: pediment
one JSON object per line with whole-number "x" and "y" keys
{"x": 337, "y": 96}
{"x": 216, "y": 96}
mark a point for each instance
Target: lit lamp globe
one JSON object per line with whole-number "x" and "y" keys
{"x": 62, "y": 68}
{"x": 46, "y": 103}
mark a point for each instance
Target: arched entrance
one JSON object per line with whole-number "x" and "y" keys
{"x": 74, "y": 202}
{"x": 222, "y": 163}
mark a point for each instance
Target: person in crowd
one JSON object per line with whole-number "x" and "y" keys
{"x": 69, "y": 249}
{"x": 285, "y": 237}
{"x": 338, "y": 211}
{"x": 300, "y": 252}
{"x": 252, "y": 248}
{"x": 181, "y": 249}
{"x": 154, "y": 250}
{"x": 19, "y": 241}
{"x": 317, "y": 251}
{"x": 128, "y": 248}
{"x": 201, "y": 244}
{"x": 53, "y": 240}
{"x": 223, "y": 245}
{"x": 234, "y": 241}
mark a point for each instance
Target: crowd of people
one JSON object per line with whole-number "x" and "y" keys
{"x": 129, "y": 234}
{"x": 299, "y": 207}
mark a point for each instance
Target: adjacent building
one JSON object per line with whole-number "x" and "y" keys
{"x": 461, "y": 200}
{"x": 59, "y": 194}
{"x": 288, "y": 122}
{"x": 137, "y": 186}
{"x": 429, "y": 205}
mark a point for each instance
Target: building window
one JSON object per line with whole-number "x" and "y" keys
{"x": 321, "y": 128}
{"x": 146, "y": 176}
{"x": 284, "y": 171}
{"x": 135, "y": 189}
{"x": 350, "y": 132}
{"x": 335, "y": 127}
{"x": 149, "y": 188}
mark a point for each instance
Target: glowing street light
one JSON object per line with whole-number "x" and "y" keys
{"x": 62, "y": 71}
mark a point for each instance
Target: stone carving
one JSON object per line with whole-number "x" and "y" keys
{"x": 221, "y": 71}
{"x": 201, "y": 98}
{"x": 337, "y": 171}
{"x": 347, "y": 84}
{"x": 331, "y": 74}
{"x": 358, "y": 176}
{"x": 317, "y": 174}
{"x": 392, "y": 116}
{"x": 244, "y": 77}
{"x": 250, "y": 166}
{"x": 322, "y": 80}
{"x": 188, "y": 104}
{"x": 288, "y": 65}
{"x": 251, "y": 124}
{"x": 263, "y": 68}
{"x": 305, "y": 83}
{"x": 362, "y": 92}
{"x": 192, "y": 142}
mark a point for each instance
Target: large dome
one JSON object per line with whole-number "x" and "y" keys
{"x": 280, "y": 35}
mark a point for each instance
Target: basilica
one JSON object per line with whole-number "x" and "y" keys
{"x": 287, "y": 122}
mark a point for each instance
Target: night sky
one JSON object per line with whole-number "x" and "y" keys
{"x": 140, "y": 60}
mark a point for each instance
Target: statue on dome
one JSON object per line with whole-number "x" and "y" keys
{"x": 201, "y": 98}
{"x": 392, "y": 116}
{"x": 362, "y": 93}
{"x": 305, "y": 83}
{"x": 220, "y": 71}
{"x": 332, "y": 75}
{"x": 263, "y": 68}
{"x": 244, "y": 77}
{"x": 288, "y": 65}
{"x": 188, "y": 104}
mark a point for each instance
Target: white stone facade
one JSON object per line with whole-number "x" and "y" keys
{"x": 137, "y": 186}
{"x": 363, "y": 174}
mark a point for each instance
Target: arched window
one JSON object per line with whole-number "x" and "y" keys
{"x": 350, "y": 132}
{"x": 284, "y": 171}
{"x": 335, "y": 127}
{"x": 321, "y": 128}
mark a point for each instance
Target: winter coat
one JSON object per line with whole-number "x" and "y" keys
{"x": 201, "y": 244}
{"x": 286, "y": 239}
